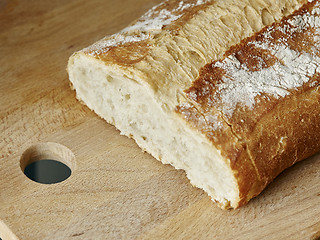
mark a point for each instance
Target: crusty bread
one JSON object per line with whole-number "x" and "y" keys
{"x": 224, "y": 124}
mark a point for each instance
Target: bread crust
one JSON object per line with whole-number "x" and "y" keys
{"x": 127, "y": 53}
{"x": 274, "y": 132}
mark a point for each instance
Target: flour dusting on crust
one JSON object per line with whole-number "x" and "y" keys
{"x": 146, "y": 26}
{"x": 272, "y": 64}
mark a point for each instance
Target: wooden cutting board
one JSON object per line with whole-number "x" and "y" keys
{"x": 115, "y": 190}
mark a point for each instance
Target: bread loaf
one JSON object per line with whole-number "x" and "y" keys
{"x": 226, "y": 90}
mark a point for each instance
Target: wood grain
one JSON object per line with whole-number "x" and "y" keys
{"x": 115, "y": 191}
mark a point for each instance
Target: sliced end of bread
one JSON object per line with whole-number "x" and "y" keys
{"x": 124, "y": 101}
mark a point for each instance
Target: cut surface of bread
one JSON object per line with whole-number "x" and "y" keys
{"x": 146, "y": 80}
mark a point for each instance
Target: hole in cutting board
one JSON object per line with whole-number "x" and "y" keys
{"x": 47, "y": 171}
{"x": 47, "y": 163}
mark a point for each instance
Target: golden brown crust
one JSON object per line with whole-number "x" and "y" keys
{"x": 279, "y": 122}
{"x": 132, "y": 44}
{"x": 186, "y": 13}
{"x": 126, "y": 54}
